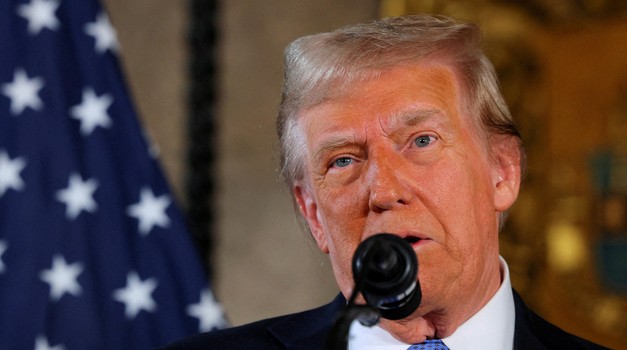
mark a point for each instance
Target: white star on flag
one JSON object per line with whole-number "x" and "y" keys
{"x": 10, "y": 173}
{"x": 62, "y": 278}
{"x": 207, "y": 311}
{"x": 92, "y": 111}
{"x": 40, "y": 15}
{"x": 150, "y": 211}
{"x": 78, "y": 196}
{"x": 3, "y": 248}
{"x": 42, "y": 344}
{"x": 23, "y": 92}
{"x": 136, "y": 296}
{"x": 104, "y": 33}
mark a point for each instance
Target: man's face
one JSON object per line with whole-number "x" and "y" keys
{"x": 398, "y": 154}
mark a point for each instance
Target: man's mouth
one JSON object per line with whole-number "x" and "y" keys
{"x": 415, "y": 241}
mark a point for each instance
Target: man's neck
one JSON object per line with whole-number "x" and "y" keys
{"x": 442, "y": 322}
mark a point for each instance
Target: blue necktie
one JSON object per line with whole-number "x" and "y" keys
{"x": 433, "y": 344}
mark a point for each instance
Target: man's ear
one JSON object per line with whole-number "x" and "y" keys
{"x": 506, "y": 154}
{"x": 309, "y": 210}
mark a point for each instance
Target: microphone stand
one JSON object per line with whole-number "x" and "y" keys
{"x": 368, "y": 315}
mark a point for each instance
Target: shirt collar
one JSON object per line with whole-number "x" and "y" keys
{"x": 492, "y": 327}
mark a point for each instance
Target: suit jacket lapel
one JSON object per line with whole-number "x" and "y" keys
{"x": 524, "y": 333}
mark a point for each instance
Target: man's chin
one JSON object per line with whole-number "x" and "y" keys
{"x": 411, "y": 330}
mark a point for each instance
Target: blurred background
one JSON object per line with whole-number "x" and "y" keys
{"x": 563, "y": 67}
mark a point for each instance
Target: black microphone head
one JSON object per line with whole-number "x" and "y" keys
{"x": 386, "y": 268}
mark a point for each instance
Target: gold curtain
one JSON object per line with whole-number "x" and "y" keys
{"x": 563, "y": 70}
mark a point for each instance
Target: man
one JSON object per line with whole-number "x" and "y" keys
{"x": 398, "y": 126}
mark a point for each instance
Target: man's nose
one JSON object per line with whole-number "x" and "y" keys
{"x": 386, "y": 184}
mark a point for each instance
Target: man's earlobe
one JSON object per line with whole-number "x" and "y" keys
{"x": 309, "y": 210}
{"x": 507, "y": 174}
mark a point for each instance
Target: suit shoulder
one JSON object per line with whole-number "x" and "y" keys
{"x": 250, "y": 336}
{"x": 306, "y": 329}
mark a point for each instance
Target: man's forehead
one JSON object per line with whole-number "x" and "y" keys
{"x": 346, "y": 80}
{"x": 334, "y": 118}
{"x": 397, "y": 98}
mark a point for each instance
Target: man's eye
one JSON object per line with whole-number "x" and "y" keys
{"x": 424, "y": 141}
{"x": 342, "y": 162}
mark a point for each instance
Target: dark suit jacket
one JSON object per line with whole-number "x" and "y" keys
{"x": 307, "y": 331}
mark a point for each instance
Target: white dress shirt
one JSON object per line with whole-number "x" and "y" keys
{"x": 491, "y": 328}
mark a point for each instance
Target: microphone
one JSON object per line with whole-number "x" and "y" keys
{"x": 385, "y": 268}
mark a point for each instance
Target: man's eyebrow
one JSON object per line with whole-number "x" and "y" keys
{"x": 409, "y": 117}
{"x": 330, "y": 144}
{"x": 413, "y": 116}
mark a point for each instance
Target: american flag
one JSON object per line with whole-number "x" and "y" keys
{"x": 94, "y": 253}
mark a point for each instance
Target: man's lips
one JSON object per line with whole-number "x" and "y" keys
{"x": 416, "y": 241}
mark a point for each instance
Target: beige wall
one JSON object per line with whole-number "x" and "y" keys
{"x": 264, "y": 264}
